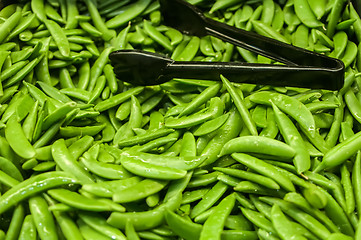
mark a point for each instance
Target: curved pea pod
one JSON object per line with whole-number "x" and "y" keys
{"x": 9, "y": 168}
{"x": 42, "y": 218}
{"x": 266, "y": 169}
{"x": 212, "y": 228}
{"x": 315, "y": 197}
{"x": 183, "y": 227}
{"x": 181, "y": 163}
{"x": 97, "y": 222}
{"x": 34, "y": 185}
{"x": 81, "y": 202}
{"x": 211, "y": 125}
{"x": 340, "y": 153}
{"x": 282, "y": 224}
{"x": 73, "y": 131}
{"x": 215, "y": 109}
{"x": 291, "y": 135}
{"x": 293, "y": 107}
{"x": 148, "y": 219}
{"x": 151, "y": 170}
{"x": 105, "y": 170}
{"x": 229, "y": 130}
{"x": 66, "y": 162}
{"x": 139, "y": 191}
{"x": 258, "y": 144}
{"x": 305, "y": 14}
{"x": 310, "y": 223}
{"x": 17, "y": 140}
{"x": 144, "y": 138}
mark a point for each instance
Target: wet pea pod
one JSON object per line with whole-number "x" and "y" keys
{"x": 31, "y": 186}
{"x": 78, "y": 201}
{"x": 19, "y": 143}
{"x": 215, "y": 109}
{"x": 260, "y": 166}
{"x": 105, "y": 170}
{"x": 148, "y": 219}
{"x": 291, "y": 135}
{"x": 143, "y": 189}
{"x": 340, "y": 153}
{"x": 260, "y": 145}
{"x": 297, "y": 110}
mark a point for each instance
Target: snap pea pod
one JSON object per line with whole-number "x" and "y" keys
{"x": 148, "y": 219}
{"x": 43, "y": 219}
{"x": 81, "y": 202}
{"x": 280, "y": 222}
{"x": 298, "y": 111}
{"x": 239, "y": 102}
{"x": 257, "y": 144}
{"x": 139, "y": 191}
{"x": 134, "y": 10}
{"x": 303, "y": 218}
{"x": 65, "y": 161}
{"x": 34, "y": 185}
{"x": 212, "y": 228}
{"x": 340, "y": 153}
{"x": 294, "y": 139}
{"x": 14, "y": 134}
{"x": 28, "y": 230}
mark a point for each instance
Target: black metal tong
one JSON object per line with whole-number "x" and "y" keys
{"x": 299, "y": 68}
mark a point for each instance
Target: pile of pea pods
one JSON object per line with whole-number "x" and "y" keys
{"x": 85, "y": 155}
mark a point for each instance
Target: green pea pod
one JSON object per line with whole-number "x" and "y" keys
{"x": 202, "y": 98}
{"x": 257, "y": 144}
{"x": 190, "y": 50}
{"x": 181, "y": 163}
{"x": 268, "y": 31}
{"x": 134, "y": 10}
{"x": 157, "y": 36}
{"x": 117, "y": 99}
{"x": 78, "y": 201}
{"x": 304, "y": 219}
{"x": 356, "y": 180}
{"x": 9, "y": 25}
{"x": 107, "y": 188}
{"x": 282, "y": 224}
{"x": 261, "y": 167}
{"x": 105, "y": 170}
{"x": 14, "y": 134}
{"x": 340, "y": 153}
{"x": 43, "y": 218}
{"x": 9, "y": 168}
{"x": 34, "y": 185}
{"x": 139, "y": 191}
{"x": 298, "y": 111}
{"x": 28, "y": 230}
{"x": 72, "y": 131}
{"x": 158, "y": 172}
{"x": 148, "y": 219}
{"x": 130, "y": 231}
{"x": 66, "y": 162}
{"x": 16, "y": 222}
{"x": 59, "y": 37}
{"x": 212, "y": 228}
{"x": 144, "y": 138}
{"x": 99, "y": 223}
{"x": 291, "y": 135}
{"x": 305, "y": 14}
{"x": 335, "y": 16}
{"x": 261, "y": 180}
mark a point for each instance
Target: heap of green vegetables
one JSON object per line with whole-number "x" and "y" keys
{"x": 84, "y": 155}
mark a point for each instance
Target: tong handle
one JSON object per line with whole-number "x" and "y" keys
{"x": 271, "y": 48}
{"x": 266, "y": 74}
